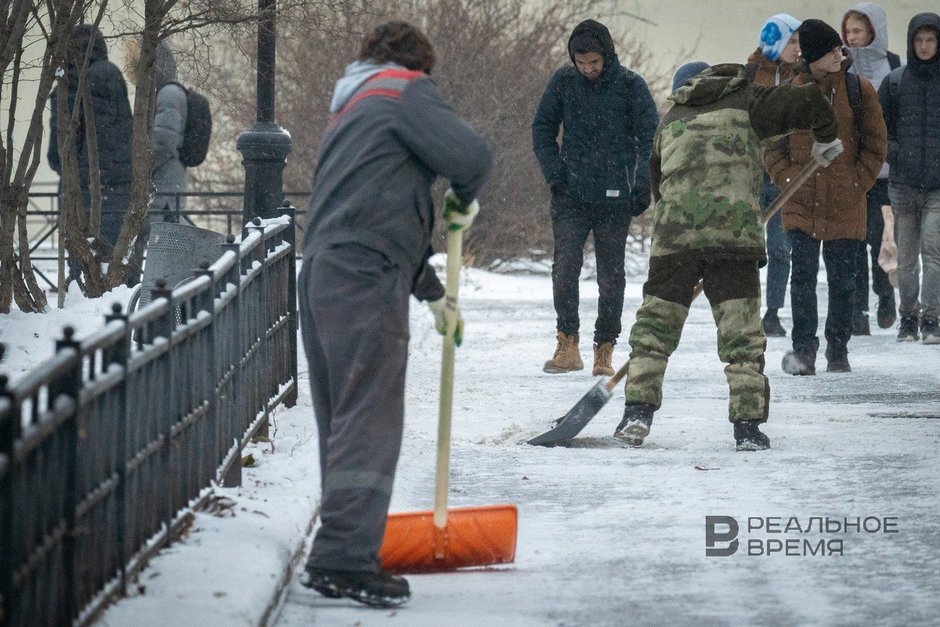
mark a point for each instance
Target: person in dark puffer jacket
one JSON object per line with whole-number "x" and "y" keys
{"x": 113, "y": 127}
{"x": 599, "y": 178}
{"x": 910, "y": 98}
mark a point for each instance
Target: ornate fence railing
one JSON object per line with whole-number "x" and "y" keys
{"x": 107, "y": 447}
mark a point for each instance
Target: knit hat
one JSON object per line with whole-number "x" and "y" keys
{"x": 776, "y": 33}
{"x": 817, "y": 39}
{"x": 687, "y": 71}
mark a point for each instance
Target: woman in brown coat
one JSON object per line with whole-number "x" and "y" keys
{"x": 829, "y": 210}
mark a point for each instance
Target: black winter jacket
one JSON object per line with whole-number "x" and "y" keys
{"x": 608, "y": 131}
{"x": 112, "y": 113}
{"x": 912, "y": 115}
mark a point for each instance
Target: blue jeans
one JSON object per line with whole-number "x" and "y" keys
{"x": 778, "y": 250}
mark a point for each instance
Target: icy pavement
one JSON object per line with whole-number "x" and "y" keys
{"x": 610, "y": 535}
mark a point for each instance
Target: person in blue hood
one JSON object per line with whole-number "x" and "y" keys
{"x": 599, "y": 179}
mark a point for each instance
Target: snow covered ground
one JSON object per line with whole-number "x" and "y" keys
{"x": 608, "y": 535}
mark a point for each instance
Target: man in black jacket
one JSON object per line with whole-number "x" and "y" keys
{"x": 599, "y": 179}
{"x": 113, "y": 120}
{"x": 909, "y": 100}
{"x": 365, "y": 253}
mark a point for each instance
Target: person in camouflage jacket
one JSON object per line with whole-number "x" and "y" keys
{"x": 706, "y": 179}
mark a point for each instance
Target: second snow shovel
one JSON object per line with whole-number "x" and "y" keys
{"x": 446, "y": 539}
{"x": 571, "y": 423}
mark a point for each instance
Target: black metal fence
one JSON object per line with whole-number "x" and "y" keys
{"x": 106, "y": 447}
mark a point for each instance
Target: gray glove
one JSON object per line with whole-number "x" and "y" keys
{"x": 824, "y": 153}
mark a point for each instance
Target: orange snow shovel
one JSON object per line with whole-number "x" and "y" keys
{"x": 446, "y": 539}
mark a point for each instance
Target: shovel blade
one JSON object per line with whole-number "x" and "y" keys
{"x": 473, "y": 536}
{"x": 571, "y": 423}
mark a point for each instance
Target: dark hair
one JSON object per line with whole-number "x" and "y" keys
{"x": 398, "y": 42}
{"x": 585, "y": 41}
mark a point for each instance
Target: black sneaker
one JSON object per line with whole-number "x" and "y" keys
{"x": 799, "y": 364}
{"x": 887, "y": 313}
{"x": 907, "y": 329}
{"x": 748, "y": 436}
{"x": 376, "y": 589}
{"x": 930, "y": 331}
{"x": 636, "y": 423}
{"x": 771, "y": 324}
{"x": 860, "y": 324}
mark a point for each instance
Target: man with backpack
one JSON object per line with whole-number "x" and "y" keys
{"x": 865, "y": 32}
{"x": 599, "y": 179}
{"x": 828, "y": 211}
{"x": 181, "y": 127}
{"x": 910, "y": 98}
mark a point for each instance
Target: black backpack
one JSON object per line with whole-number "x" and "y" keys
{"x": 198, "y": 129}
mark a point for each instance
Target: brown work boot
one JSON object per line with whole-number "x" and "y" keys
{"x": 567, "y": 356}
{"x": 603, "y": 354}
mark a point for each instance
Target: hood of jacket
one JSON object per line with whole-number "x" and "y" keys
{"x": 603, "y": 37}
{"x": 871, "y": 61}
{"x": 165, "y": 66}
{"x": 78, "y": 43}
{"x": 355, "y": 75}
{"x": 918, "y": 67}
{"x": 711, "y": 85}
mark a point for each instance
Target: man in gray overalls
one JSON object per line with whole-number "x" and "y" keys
{"x": 365, "y": 253}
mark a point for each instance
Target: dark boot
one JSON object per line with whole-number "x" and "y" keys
{"x": 771, "y": 324}
{"x": 748, "y": 436}
{"x": 377, "y": 589}
{"x": 887, "y": 312}
{"x": 908, "y": 329}
{"x": 636, "y": 423}
{"x": 838, "y": 359}
{"x": 930, "y": 330}
{"x": 860, "y": 325}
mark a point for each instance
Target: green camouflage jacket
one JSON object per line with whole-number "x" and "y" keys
{"x": 706, "y": 169}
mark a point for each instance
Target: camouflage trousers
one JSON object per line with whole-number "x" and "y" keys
{"x": 733, "y": 291}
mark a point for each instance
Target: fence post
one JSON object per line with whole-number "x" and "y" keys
{"x": 206, "y": 302}
{"x": 9, "y": 430}
{"x": 291, "y": 399}
{"x": 69, "y": 385}
{"x": 262, "y": 371}
{"x": 233, "y": 476}
{"x": 163, "y": 328}
{"x": 119, "y": 355}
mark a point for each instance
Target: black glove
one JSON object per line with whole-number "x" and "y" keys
{"x": 642, "y": 196}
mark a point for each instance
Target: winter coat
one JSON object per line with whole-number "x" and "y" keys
{"x": 871, "y": 61}
{"x": 767, "y": 72}
{"x": 169, "y": 123}
{"x": 912, "y": 114}
{"x": 706, "y": 169}
{"x": 390, "y": 136}
{"x": 112, "y": 113}
{"x": 831, "y": 205}
{"x": 608, "y": 130}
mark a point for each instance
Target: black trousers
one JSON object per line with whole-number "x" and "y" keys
{"x": 875, "y": 224}
{"x": 572, "y": 221}
{"x": 840, "y": 258}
